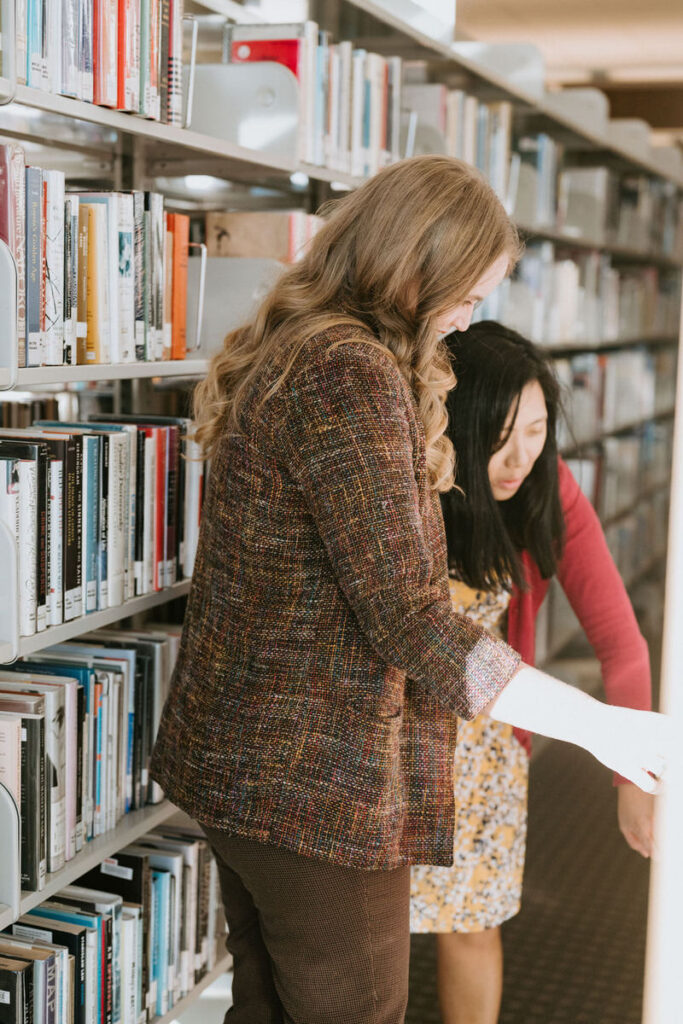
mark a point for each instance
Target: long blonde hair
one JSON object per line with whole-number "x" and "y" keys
{"x": 402, "y": 249}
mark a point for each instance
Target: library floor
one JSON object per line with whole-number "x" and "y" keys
{"x": 575, "y": 953}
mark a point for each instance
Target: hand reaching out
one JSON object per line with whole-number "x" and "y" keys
{"x": 635, "y": 812}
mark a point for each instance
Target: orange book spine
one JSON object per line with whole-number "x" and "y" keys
{"x": 180, "y": 226}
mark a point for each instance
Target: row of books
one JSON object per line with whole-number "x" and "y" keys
{"x": 124, "y": 54}
{"x": 100, "y": 512}
{"x": 350, "y": 98}
{"x": 77, "y": 726}
{"x": 270, "y": 234}
{"x": 631, "y": 210}
{"x": 603, "y": 392}
{"x": 101, "y": 276}
{"x": 558, "y": 296}
{"x": 615, "y": 474}
{"x": 461, "y": 125}
{"x": 124, "y": 944}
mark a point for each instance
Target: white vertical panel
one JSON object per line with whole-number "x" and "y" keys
{"x": 663, "y": 1002}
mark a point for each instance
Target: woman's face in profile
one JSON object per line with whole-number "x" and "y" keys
{"x": 523, "y": 443}
{"x": 459, "y": 318}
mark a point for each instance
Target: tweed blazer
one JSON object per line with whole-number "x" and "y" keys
{"x": 322, "y": 667}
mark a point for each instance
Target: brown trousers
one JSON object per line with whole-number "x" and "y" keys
{"x": 312, "y": 942}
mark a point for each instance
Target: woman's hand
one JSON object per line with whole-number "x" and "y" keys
{"x": 635, "y": 811}
{"x": 636, "y": 744}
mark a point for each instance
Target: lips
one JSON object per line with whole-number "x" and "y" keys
{"x": 509, "y": 485}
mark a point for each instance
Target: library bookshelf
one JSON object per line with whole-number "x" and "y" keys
{"x": 134, "y": 153}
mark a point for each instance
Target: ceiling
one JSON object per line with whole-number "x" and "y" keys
{"x": 632, "y": 49}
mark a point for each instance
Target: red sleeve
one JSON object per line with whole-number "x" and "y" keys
{"x": 597, "y": 594}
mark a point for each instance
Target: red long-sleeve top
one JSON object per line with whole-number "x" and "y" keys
{"x": 596, "y": 592}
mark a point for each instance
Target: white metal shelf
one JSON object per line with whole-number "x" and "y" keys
{"x": 96, "y": 620}
{"x": 33, "y": 375}
{"x": 127, "y": 830}
{"x": 543, "y": 107}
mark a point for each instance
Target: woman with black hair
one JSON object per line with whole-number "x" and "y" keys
{"x": 515, "y": 518}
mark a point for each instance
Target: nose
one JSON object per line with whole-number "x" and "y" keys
{"x": 516, "y": 453}
{"x": 463, "y": 318}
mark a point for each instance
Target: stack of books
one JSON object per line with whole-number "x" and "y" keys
{"x": 77, "y": 726}
{"x": 124, "y": 54}
{"x": 124, "y": 944}
{"x": 101, "y": 512}
{"x": 102, "y": 276}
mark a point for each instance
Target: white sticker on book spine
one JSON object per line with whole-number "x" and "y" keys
{"x": 4, "y": 996}
{"x": 117, "y": 871}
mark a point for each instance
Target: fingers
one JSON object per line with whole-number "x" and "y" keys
{"x": 641, "y": 844}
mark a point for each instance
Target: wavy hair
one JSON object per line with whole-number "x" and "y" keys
{"x": 405, "y": 247}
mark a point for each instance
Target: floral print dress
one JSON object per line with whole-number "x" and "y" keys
{"x": 483, "y": 887}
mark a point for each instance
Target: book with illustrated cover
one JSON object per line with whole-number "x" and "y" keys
{"x": 30, "y": 710}
{"x": 16, "y": 985}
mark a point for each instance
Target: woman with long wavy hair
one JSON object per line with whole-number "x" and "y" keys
{"x": 311, "y": 721}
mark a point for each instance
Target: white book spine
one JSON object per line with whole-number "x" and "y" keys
{"x": 357, "y": 114}
{"x": 10, "y": 756}
{"x": 21, "y": 15}
{"x": 132, "y": 433}
{"x": 55, "y": 769}
{"x": 112, "y": 754}
{"x": 54, "y": 269}
{"x": 115, "y": 349}
{"x": 9, "y": 496}
{"x": 53, "y": 57}
{"x": 70, "y": 49}
{"x": 55, "y": 606}
{"x": 345, "y": 103}
{"x": 126, "y": 280}
{"x": 28, "y": 539}
{"x": 72, "y": 725}
{"x": 332, "y": 156}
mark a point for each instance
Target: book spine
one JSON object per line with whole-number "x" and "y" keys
{"x": 36, "y": 73}
{"x": 90, "y": 517}
{"x": 68, "y": 355}
{"x": 160, "y": 509}
{"x": 18, "y": 193}
{"x": 82, "y": 285}
{"x": 86, "y": 44}
{"x": 172, "y": 507}
{"x": 34, "y": 192}
{"x": 129, "y": 55}
{"x": 73, "y": 551}
{"x": 55, "y": 764}
{"x": 81, "y": 753}
{"x": 103, "y": 563}
{"x": 138, "y": 559}
{"x": 167, "y": 317}
{"x": 21, "y": 24}
{"x": 70, "y": 48}
{"x": 55, "y": 604}
{"x": 28, "y": 543}
{"x": 132, "y": 436}
{"x": 139, "y": 273}
{"x": 164, "y": 56}
{"x": 144, "y": 88}
{"x": 54, "y": 268}
{"x": 33, "y": 861}
{"x": 126, "y": 278}
{"x": 53, "y": 14}
{"x": 117, "y": 537}
{"x": 175, "y": 64}
{"x": 111, "y": 203}
{"x": 149, "y": 509}
{"x": 181, "y": 237}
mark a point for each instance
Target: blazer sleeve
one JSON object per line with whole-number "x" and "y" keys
{"x": 597, "y": 594}
{"x": 346, "y": 430}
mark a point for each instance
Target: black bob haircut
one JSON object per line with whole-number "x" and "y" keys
{"x": 485, "y": 537}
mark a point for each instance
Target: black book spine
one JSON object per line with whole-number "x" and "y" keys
{"x": 71, "y": 532}
{"x": 109, "y": 963}
{"x": 78, "y": 473}
{"x": 79, "y": 995}
{"x": 11, "y": 996}
{"x": 139, "y": 240}
{"x": 33, "y": 805}
{"x": 28, "y": 997}
{"x": 43, "y": 800}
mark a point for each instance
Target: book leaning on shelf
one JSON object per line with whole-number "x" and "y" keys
{"x": 101, "y": 512}
{"x": 349, "y": 98}
{"x": 102, "y": 276}
{"x": 127, "y": 942}
{"x": 77, "y": 724}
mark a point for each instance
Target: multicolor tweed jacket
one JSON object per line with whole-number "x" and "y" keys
{"x": 321, "y": 668}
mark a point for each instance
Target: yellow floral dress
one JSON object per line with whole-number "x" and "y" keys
{"x": 483, "y": 887}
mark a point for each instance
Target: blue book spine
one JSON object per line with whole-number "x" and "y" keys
{"x": 34, "y": 266}
{"x": 162, "y": 882}
{"x": 36, "y": 70}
